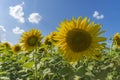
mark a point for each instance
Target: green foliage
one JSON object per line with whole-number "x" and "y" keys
{"x": 46, "y": 63}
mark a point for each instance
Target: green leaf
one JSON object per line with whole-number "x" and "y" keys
{"x": 45, "y": 58}
{"x": 23, "y": 59}
{"x": 28, "y": 64}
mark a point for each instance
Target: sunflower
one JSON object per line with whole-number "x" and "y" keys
{"x": 7, "y": 45}
{"x": 98, "y": 56}
{"x": 52, "y": 35}
{"x": 47, "y": 41}
{"x": 31, "y": 39}
{"x": 79, "y": 38}
{"x": 117, "y": 39}
{"x": 16, "y": 48}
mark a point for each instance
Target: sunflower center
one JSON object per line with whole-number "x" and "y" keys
{"x": 118, "y": 41}
{"x": 32, "y": 41}
{"x": 78, "y": 40}
{"x": 17, "y": 48}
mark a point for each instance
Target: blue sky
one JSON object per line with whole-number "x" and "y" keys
{"x": 17, "y": 16}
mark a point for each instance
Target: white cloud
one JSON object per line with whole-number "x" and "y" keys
{"x": 3, "y": 37}
{"x": 17, "y": 12}
{"x": 2, "y": 28}
{"x": 97, "y": 15}
{"x": 35, "y": 18}
{"x": 2, "y": 33}
{"x": 17, "y": 30}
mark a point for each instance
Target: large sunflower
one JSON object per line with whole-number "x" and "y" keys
{"x": 117, "y": 39}
{"x": 79, "y": 38}
{"x": 30, "y": 39}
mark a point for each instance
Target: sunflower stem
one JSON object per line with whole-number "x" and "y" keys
{"x": 35, "y": 64}
{"x": 111, "y": 48}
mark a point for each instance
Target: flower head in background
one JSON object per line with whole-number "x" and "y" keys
{"x": 6, "y": 44}
{"x": 31, "y": 39}
{"x": 52, "y": 35}
{"x": 16, "y": 48}
{"x": 47, "y": 40}
{"x": 117, "y": 39}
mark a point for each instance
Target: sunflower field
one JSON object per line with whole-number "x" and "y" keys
{"x": 75, "y": 51}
